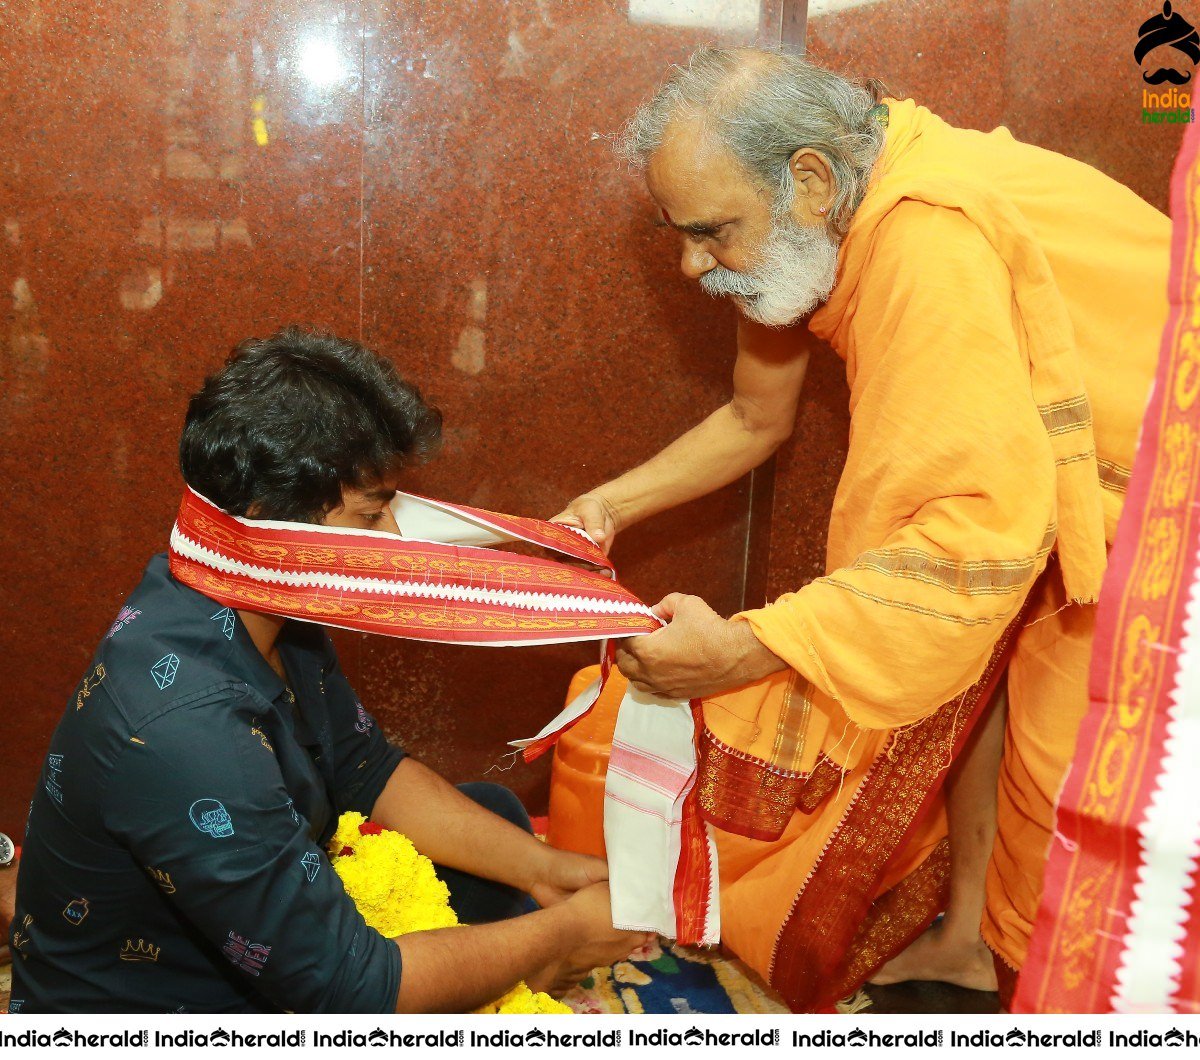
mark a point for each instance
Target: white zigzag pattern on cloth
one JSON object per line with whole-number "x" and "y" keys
{"x": 633, "y": 845}
{"x": 522, "y": 600}
{"x": 1169, "y": 836}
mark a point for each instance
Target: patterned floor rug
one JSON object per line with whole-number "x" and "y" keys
{"x": 679, "y": 980}
{"x": 657, "y": 978}
{"x": 665, "y": 978}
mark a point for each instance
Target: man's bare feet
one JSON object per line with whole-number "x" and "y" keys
{"x": 939, "y": 957}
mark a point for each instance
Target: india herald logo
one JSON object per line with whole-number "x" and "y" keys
{"x": 211, "y": 818}
{"x": 1169, "y": 41}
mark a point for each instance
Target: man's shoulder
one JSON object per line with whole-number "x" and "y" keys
{"x": 165, "y": 674}
{"x": 167, "y": 646}
{"x": 921, "y": 247}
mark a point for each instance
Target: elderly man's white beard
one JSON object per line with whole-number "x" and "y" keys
{"x": 795, "y": 272}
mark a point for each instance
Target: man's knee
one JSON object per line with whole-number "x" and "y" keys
{"x": 500, "y": 801}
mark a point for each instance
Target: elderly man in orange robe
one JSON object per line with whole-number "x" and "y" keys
{"x": 998, "y": 308}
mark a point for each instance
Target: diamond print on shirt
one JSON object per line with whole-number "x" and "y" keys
{"x": 164, "y": 670}
{"x": 228, "y": 621}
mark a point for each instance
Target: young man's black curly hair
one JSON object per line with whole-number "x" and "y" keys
{"x": 290, "y": 419}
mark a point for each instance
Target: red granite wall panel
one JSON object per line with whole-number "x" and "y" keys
{"x": 145, "y": 232}
{"x": 434, "y": 178}
{"x": 514, "y": 263}
{"x": 1059, "y": 75}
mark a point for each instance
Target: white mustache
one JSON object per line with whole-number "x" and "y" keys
{"x": 720, "y": 281}
{"x": 795, "y": 271}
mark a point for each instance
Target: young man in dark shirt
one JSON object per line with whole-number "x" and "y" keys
{"x": 174, "y": 859}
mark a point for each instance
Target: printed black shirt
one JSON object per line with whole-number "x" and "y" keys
{"x": 174, "y": 859}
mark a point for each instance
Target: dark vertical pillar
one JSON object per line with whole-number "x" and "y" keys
{"x": 790, "y": 29}
{"x": 793, "y": 29}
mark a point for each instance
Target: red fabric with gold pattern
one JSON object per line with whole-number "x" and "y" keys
{"x": 436, "y": 582}
{"x": 377, "y": 583}
{"x": 1119, "y": 928}
{"x": 857, "y": 931}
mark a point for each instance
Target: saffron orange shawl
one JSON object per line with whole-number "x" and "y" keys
{"x": 973, "y": 455}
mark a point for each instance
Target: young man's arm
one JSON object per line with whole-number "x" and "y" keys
{"x": 464, "y": 968}
{"x": 200, "y": 801}
{"x": 457, "y": 969}
{"x": 374, "y": 777}
{"x": 453, "y": 830}
{"x": 768, "y": 376}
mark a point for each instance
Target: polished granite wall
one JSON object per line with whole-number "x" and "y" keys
{"x": 432, "y": 178}
{"x": 435, "y": 180}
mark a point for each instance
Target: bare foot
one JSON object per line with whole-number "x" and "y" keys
{"x": 935, "y": 957}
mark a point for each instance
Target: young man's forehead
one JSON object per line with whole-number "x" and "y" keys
{"x": 374, "y": 489}
{"x": 380, "y": 493}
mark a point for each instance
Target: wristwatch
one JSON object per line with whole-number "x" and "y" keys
{"x": 8, "y": 851}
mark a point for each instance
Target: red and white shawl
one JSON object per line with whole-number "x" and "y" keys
{"x": 444, "y": 580}
{"x": 1119, "y": 925}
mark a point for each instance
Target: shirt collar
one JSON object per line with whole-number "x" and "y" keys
{"x": 242, "y": 658}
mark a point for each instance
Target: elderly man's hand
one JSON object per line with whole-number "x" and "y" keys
{"x": 594, "y": 514}
{"x": 698, "y": 654}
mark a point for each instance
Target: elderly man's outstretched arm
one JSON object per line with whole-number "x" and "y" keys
{"x": 739, "y": 436}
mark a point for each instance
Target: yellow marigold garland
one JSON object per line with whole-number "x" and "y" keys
{"x": 397, "y": 891}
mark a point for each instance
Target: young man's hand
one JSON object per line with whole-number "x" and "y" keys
{"x": 599, "y": 943}
{"x": 562, "y": 873}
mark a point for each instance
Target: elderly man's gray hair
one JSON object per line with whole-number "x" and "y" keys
{"x": 764, "y": 106}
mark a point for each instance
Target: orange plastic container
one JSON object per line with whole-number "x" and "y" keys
{"x": 580, "y": 765}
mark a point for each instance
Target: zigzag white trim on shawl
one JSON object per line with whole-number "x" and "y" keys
{"x": 1169, "y": 836}
{"x": 519, "y": 599}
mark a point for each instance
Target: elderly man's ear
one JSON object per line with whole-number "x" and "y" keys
{"x": 815, "y": 187}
